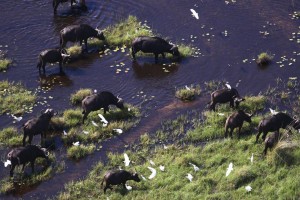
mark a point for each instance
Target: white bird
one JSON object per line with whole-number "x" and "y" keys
{"x": 153, "y": 172}
{"x": 65, "y": 133}
{"x": 229, "y": 169}
{"x": 228, "y": 86}
{"x": 128, "y": 187}
{"x": 6, "y": 163}
{"x": 196, "y": 168}
{"x": 126, "y": 160}
{"x": 103, "y": 119}
{"x": 162, "y": 168}
{"x": 165, "y": 147}
{"x": 118, "y": 130}
{"x": 251, "y": 158}
{"x": 104, "y": 125}
{"x": 76, "y": 143}
{"x": 143, "y": 177}
{"x": 186, "y": 87}
{"x": 248, "y": 188}
{"x": 17, "y": 118}
{"x": 194, "y": 13}
{"x": 190, "y": 177}
{"x": 128, "y": 109}
{"x": 95, "y": 91}
{"x": 151, "y": 162}
{"x": 273, "y": 112}
{"x": 85, "y": 132}
{"x": 221, "y": 114}
{"x": 95, "y": 124}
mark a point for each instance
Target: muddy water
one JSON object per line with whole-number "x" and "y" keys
{"x": 28, "y": 27}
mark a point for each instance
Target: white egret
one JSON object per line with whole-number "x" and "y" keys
{"x": 196, "y": 168}
{"x": 153, "y": 172}
{"x": 95, "y": 124}
{"x": 190, "y": 177}
{"x": 194, "y": 13}
{"x": 248, "y": 188}
{"x": 126, "y": 160}
{"x": 162, "y": 168}
{"x": 6, "y": 163}
{"x": 229, "y": 169}
{"x": 103, "y": 119}
{"x": 76, "y": 143}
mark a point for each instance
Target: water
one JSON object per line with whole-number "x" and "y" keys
{"x": 28, "y": 27}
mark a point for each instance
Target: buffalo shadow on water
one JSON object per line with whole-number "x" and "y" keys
{"x": 152, "y": 70}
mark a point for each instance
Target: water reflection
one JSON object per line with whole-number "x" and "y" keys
{"x": 151, "y": 70}
{"x": 55, "y": 79}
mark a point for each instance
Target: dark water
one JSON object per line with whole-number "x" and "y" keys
{"x": 29, "y": 26}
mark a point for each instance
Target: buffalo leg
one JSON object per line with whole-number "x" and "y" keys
{"x": 264, "y": 136}
{"x": 257, "y": 136}
{"x": 32, "y": 166}
{"x": 231, "y": 103}
{"x": 24, "y": 140}
{"x": 133, "y": 53}
{"x": 12, "y": 168}
{"x": 106, "y": 109}
{"x": 30, "y": 138}
{"x": 226, "y": 132}
{"x": 230, "y": 133}
{"x": 163, "y": 55}
{"x": 85, "y": 42}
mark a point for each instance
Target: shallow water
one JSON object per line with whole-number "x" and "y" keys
{"x": 29, "y": 27}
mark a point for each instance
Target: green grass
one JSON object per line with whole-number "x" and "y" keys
{"x": 188, "y": 94}
{"x": 264, "y": 58}
{"x": 10, "y": 137}
{"x": 77, "y": 152}
{"x": 77, "y": 97}
{"x": 268, "y": 181}
{"x": 15, "y": 98}
{"x": 4, "y": 63}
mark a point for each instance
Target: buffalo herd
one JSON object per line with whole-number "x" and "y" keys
{"x": 80, "y": 33}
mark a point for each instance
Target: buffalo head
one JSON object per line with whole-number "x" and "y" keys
{"x": 135, "y": 177}
{"x": 120, "y": 103}
{"x": 175, "y": 51}
{"x": 100, "y": 35}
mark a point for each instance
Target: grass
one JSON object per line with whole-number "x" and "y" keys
{"x": 42, "y": 173}
{"x": 77, "y": 152}
{"x": 10, "y": 137}
{"x": 264, "y": 58}
{"x": 121, "y": 35}
{"x": 15, "y": 98}
{"x": 188, "y": 93}
{"x": 77, "y": 97}
{"x": 4, "y": 63}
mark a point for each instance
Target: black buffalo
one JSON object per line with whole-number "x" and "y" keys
{"x": 79, "y": 33}
{"x": 55, "y": 4}
{"x": 274, "y": 123}
{"x": 118, "y": 177}
{"x": 225, "y": 95}
{"x": 153, "y": 45}
{"x": 24, "y": 155}
{"x": 271, "y": 140}
{"x": 52, "y": 56}
{"x": 37, "y": 126}
{"x": 236, "y": 120}
{"x": 97, "y": 101}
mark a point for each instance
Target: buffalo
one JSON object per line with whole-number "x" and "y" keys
{"x": 79, "y": 33}
{"x": 274, "y": 123}
{"x": 55, "y": 4}
{"x": 225, "y": 95}
{"x": 37, "y": 126}
{"x": 52, "y": 56}
{"x": 118, "y": 177}
{"x": 271, "y": 140}
{"x": 236, "y": 120}
{"x": 153, "y": 45}
{"x": 97, "y": 101}
{"x": 23, "y": 155}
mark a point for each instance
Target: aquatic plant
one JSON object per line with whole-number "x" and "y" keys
{"x": 15, "y": 98}
{"x": 4, "y": 63}
{"x": 77, "y": 97}
{"x": 264, "y": 58}
{"x": 188, "y": 93}
{"x": 80, "y": 151}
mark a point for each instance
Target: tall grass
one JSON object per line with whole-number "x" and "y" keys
{"x": 15, "y": 98}
{"x": 4, "y": 63}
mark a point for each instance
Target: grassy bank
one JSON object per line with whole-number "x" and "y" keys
{"x": 119, "y": 37}
{"x": 15, "y": 98}
{"x": 4, "y": 63}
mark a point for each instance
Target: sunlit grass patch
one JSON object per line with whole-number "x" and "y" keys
{"x": 43, "y": 172}
{"x": 253, "y": 103}
{"x": 15, "y": 98}
{"x": 74, "y": 51}
{"x": 77, "y": 152}
{"x": 77, "y": 97}
{"x": 10, "y": 137}
{"x": 4, "y": 63}
{"x": 188, "y": 93}
{"x": 264, "y": 58}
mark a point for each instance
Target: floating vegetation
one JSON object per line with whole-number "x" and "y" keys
{"x": 80, "y": 151}
{"x": 4, "y": 62}
{"x": 188, "y": 93}
{"x": 264, "y": 59}
{"x": 77, "y": 97}
{"x": 15, "y": 98}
